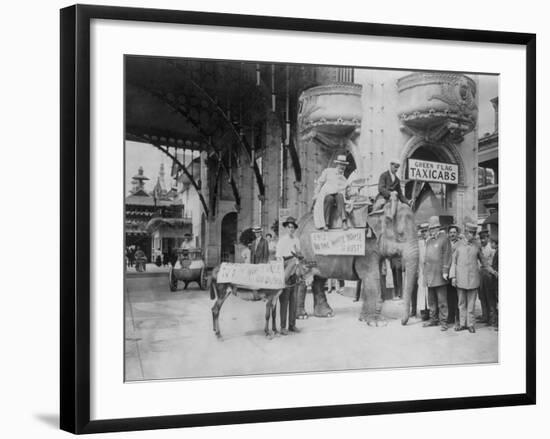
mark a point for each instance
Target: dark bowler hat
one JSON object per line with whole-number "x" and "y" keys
{"x": 290, "y": 220}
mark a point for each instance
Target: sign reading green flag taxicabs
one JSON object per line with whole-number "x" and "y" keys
{"x": 424, "y": 170}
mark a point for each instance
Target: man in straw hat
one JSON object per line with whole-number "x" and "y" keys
{"x": 388, "y": 185}
{"x": 288, "y": 245}
{"x": 329, "y": 195}
{"x": 437, "y": 262}
{"x": 465, "y": 276}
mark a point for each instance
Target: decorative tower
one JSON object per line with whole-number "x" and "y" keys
{"x": 161, "y": 180}
{"x": 138, "y": 183}
{"x": 159, "y": 191}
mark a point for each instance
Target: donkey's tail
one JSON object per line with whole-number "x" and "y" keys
{"x": 212, "y": 283}
{"x": 212, "y": 289}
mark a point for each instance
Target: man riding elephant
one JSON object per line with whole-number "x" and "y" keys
{"x": 329, "y": 195}
{"x": 388, "y": 185}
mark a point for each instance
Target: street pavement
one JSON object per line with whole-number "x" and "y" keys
{"x": 150, "y": 269}
{"x": 169, "y": 335}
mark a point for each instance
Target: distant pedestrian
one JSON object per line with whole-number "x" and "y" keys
{"x": 158, "y": 257}
{"x": 132, "y": 255}
{"x": 141, "y": 259}
{"x": 437, "y": 261}
{"x": 465, "y": 276}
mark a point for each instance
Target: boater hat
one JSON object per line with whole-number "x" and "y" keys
{"x": 341, "y": 159}
{"x": 470, "y": 227}
{"x": 434, "y": 223}
{"x": 290, "y": 220}
{"x": 423, "y": 227}
{"x": 257, "y": 228}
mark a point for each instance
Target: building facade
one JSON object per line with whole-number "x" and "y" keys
{"x": 257, "y": 137}
{"x": 488, "y": 169}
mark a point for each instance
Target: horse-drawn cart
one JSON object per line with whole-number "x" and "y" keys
{"x": 190, "y": 267}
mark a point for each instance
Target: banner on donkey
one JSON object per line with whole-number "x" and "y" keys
{"x": 339, "y": 242}
{"x": 253, "y": 276}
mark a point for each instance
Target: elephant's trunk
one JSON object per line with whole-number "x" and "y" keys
{"x": 409, "y": 258}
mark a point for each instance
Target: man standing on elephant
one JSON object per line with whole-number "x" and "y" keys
{"x": 465, "y": 276}
{"x": 287, "y": 246}
{"x": 329, "y": 195}
{"x": 437, "y": 262}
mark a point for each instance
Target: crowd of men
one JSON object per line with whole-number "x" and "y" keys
{"x": 454, "y": 270}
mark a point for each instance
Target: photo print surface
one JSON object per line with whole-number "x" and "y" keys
{"x": 297, "y": 218}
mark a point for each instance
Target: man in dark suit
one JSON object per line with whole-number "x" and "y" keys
{"x": 259, "y": 251}
{"x": 389, "y": 182}
{"x": 437, "y": 263}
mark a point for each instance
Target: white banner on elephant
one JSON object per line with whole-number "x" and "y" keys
{"x": 253, "y": 276}
{"x": 339, "y": 242}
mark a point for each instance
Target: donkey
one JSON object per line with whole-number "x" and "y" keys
{"x": 295, "y": 272}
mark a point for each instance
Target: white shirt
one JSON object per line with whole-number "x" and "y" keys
{"x": 245, "y": 254}
{"x": 331, "y": 181}
{"x": 286, "y": 245}
{"x": 488, "y": 254}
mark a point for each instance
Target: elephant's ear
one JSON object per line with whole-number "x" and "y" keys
{"x": 374, "y": 221}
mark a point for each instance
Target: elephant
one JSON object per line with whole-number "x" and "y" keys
{"x": 394, "y": 235}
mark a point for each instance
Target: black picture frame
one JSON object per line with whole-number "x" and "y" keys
{"x": 75, "y": 215}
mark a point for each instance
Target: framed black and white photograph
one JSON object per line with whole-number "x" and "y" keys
{"x": 269, "y": 219}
